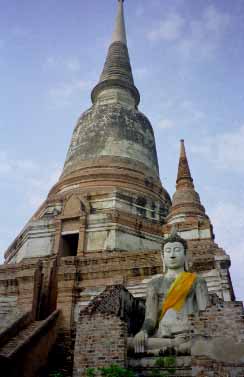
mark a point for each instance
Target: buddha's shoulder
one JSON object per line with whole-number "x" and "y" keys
{"x": 200, "y": 278}
{"x": 156, "y": 281}
{"x": 200, "y": 281}
{"x": 159, "y": 280}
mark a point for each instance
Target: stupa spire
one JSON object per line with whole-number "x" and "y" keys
{"x": 184, "y": 173}
{"x": 186, "y": 201}
{"x": 119, "y": 34}
{"x": 117, "y": 72}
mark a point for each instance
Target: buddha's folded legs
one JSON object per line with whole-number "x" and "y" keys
{"x": 152, "y": 345}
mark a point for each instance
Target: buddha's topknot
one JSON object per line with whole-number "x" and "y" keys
{"x": 174, "y": 237}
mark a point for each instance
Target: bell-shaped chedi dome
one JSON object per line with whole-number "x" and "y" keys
{"x": 113, "y": 129}
{"x": 113, "y": 141}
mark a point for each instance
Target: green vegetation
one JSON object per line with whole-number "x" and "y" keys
{"x": 167, "y": 362}
{"x": 111, "y": 371}
{"x": 56, "y": 374}
{"x": 91, "y": 372}
{"x": 116, "y": 371}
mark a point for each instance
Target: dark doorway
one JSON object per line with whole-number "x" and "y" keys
{"x": 70, "y": 245}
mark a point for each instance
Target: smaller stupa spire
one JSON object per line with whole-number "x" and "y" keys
{"x": 186, "y": 201}
{"x": 119, "y": 34}
{"x": 183, "y": 168}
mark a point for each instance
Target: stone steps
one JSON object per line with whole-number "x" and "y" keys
{"x": 8, "y": 317}
{"x": 60, "y": 360}
{"x": 10, "y": 347}
{"x": 163, "y": 372}
{"x": 147, "y": 367}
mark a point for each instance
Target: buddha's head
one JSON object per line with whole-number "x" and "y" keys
{"x": 174, "y": 252}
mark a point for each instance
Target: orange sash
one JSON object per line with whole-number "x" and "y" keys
{"x": 177, "y": 293}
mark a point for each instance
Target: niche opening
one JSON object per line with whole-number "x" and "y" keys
{"x": 70, "y": 245}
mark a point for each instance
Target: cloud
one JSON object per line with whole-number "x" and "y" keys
{"x": 62, "y": 94}
{"x": 9, "y": 166}
{"x": 225, "y": 150}
{"x": 215, "y": 21}
{"x": 169, "y": 29}
{"x": 221, "y": 214}
{"x": 205, "y": 34}
{"x": 20, "y": 32}
{"x": 5, "y": 167}
{"x": 178, "y": 111}
{"x": 199, "y": 37}
{"x": 39, "y": 185}
{"x": 7, "y": 235}
{"x": 24, "y": 186}
{"x": 191, "y": 110}
{"x": 228, "y": 222}
{"x": 29, "y": 175}
{"x": 71, "y": 64}
{"x": 16, "y": 35}
{"x": 166, "y": 124}
{"x": 3, "y": 246}
{"x": 140, "y": 73}
{"x": 140, "y": 10}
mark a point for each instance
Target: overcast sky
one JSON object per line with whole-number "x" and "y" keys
{"x": 187, "y": 58}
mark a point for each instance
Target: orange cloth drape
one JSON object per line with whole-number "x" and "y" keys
{"x": 178, "y": 291}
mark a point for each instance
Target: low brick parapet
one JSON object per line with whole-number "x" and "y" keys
{"x": 103, "y": 328}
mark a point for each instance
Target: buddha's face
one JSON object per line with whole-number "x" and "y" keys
{"x": 174, "y": 255}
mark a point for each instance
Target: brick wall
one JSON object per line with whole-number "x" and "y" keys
{"x": 103, "y": 327}
{"x": 204, "y": 367}
{"x": 223, "y": 321}
{"x": 100, "y": 341}
{"x": 220, "y": 319}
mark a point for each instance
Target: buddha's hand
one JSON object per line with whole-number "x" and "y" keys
{"x": 140, "y": 341}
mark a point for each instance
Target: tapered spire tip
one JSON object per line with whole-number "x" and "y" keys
{"x": 119, "y": 34}
{"x": 183, "y": 168}
{"x": 182, "y": 148}
{"x": 117, "y": 70}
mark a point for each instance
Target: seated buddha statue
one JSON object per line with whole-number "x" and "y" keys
{"x": 170, "y": 299}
